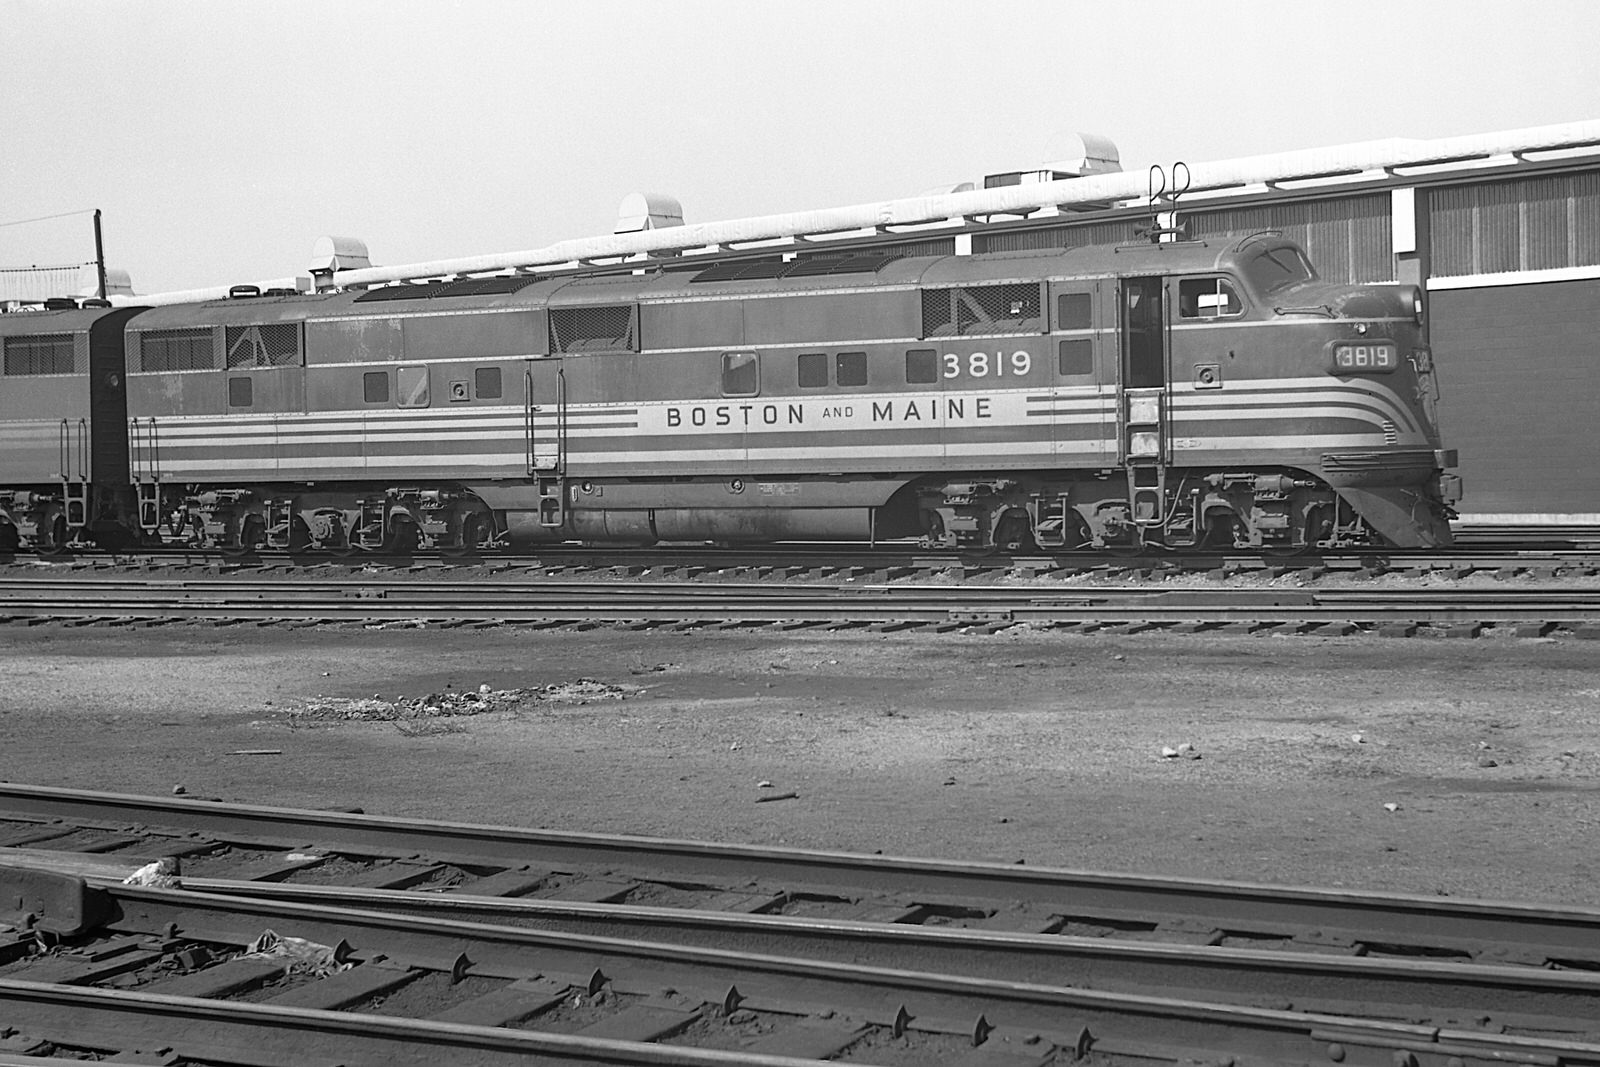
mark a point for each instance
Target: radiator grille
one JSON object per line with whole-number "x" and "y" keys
{"x": 51, "y": 353}
{"x": 608, "y": 328}
{"x": 169, "y": 350}
{"x": 275, "y": 345}
{"x": 1014, "y": 307}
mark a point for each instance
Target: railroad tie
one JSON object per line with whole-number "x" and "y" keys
{"x": 809, "y": 1039}
{"x": 512, "y": 883}
{"x": 508, "y": 1005}
{"x": 642, "y": 1022}
{"x": 345, "y": 988}
{"x": 233, "y": 976}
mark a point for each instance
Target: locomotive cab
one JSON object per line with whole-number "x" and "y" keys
{"x": 1255, "y": 406}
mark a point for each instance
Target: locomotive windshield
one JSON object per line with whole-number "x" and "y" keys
{"x": 1273, "y": 269}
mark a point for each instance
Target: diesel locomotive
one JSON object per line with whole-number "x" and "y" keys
{"x": 1180, "y": 394}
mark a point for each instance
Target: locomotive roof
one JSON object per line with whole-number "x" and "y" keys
{"x": 33, "y": 323}
{"x": 709, "y": 279}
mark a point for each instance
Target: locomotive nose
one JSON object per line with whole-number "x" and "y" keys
{"x": 1382, "y": 302}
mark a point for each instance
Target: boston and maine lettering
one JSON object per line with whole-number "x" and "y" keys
{"x": 923, "y": 410}
{"x": 931, "y": 410}
{"x": 741, "y": 415}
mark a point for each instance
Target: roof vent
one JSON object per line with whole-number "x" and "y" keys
{"x": 338, "y": 253}
{"x": 96, "y": 302}
{"x": 1088, "y": 153}
{"x": 648, "y": 211}
{"x": 242, "y": 292}
{"x": 60, "y": 303}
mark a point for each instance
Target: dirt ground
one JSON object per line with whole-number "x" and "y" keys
{"x": 1018, "y": 747}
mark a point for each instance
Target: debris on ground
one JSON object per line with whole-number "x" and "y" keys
{"x": 302, "y": 956}
{"x": 161, "y": 873}
{"x": 482, "y": 700}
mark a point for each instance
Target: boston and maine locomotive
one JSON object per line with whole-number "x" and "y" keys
{"x": 1180, "y": 394}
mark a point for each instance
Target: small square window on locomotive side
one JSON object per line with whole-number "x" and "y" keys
{"x": 922, "y": 366}
{"x": 375, "y": 386}
{"x": 1073, "y": 311}
{"x": 812, "y": 368}
{"x": 850, "y": 368}
{"x": 486, "y": 383}
{"x": 240, "y": 393}
{"x": 1075, "y": 356}
{"x": 741, "y": 374}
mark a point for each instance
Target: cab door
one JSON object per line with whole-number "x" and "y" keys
{"x": 1143, "y": 401}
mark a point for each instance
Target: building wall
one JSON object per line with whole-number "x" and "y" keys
{"x": 1519, "y": 372}
{"x": 1520, "y": 224}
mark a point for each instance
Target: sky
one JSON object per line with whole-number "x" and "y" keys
{"x": 221, "y": 139}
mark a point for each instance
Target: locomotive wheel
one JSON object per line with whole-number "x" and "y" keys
{"x": 55, "y": 535}
{"x": 1222, "y": 531}
{"x": 253, "y": 534}
{"x": 1014, "y": 533}
{"x": 403, "y": 539}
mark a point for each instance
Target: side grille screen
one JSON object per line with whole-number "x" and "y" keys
{"x": 1009, "y": 308}
{"x": 50, "y": 353}
{"x": 593, "y": 329}
{"x": 274, "y": 345}
{"x": 168, "y": 350}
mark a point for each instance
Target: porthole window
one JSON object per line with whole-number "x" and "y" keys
{"x": 922, "y": 366}
{"x": 240, "y": 393}
{"x": 1073, "y": 311}
{"x": 1075, "y": 356}
{"x": 812, "y": 368}
{"x": 741, "y": 374}
{"x": 850, "y": 368}
{"x": 375, "y": 386}
{"x": 486, "y": 383}
{"x": 413, "y": 387}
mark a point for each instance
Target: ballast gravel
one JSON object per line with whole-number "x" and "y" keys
{"x": 1359, "y": 762}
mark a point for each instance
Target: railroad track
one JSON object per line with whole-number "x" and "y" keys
{"x": 519, "y": 928}
{"x": 287, "y": 846}
{"x": 1509, "y": 554}
{"x": 503, "y": 926}
{"x": 1527, "y": 611}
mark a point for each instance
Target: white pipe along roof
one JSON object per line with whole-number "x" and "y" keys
{"x": 1383, "y": 155}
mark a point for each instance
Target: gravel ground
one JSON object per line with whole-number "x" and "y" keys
{"x": 1457, "y": 767}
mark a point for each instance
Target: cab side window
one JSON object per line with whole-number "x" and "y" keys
{"x": 1208, "y": 298}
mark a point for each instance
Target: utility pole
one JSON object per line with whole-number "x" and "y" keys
{"x": 99, "y": 256}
